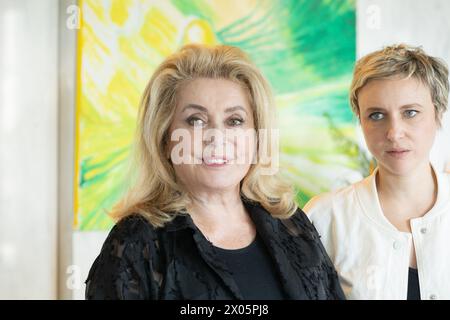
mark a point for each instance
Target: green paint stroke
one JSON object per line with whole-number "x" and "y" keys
{"x": 306, "y": 48}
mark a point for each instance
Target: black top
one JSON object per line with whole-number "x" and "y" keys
{"x": 413, "y": 285}
{"x": 254, "y": 271}
{"x": 138, "y": 261}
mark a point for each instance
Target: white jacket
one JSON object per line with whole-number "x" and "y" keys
{"x": 371, "y": 255}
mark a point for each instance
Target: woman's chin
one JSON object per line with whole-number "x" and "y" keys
{"x": 218, "y": 184}
{"x": 400, "y": 168}
{"x": 216, "y": 181}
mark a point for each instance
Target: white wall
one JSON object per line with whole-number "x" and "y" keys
{"x": 86, "y": 247}
{"x": 415, "y": 22}
{"x": 67, "y": 48}
{"x": 28, "y": 149}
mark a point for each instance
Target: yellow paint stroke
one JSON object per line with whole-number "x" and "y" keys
{"x": 91, "y": 37}
{"x": 77, "y": 118}
{"x": 199, "y": 31}
{"x": 96, "y": 6}
{"x": 159, "y": 32}
{"x": 119, "y": 11}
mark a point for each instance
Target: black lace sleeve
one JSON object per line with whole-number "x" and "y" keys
{"x": 333, "y": 289}
{"x": 124, "y": 268}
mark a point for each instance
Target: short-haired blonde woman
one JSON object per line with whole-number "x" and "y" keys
{"x": 388, "y": 235}
{"x": 206, "y": 221}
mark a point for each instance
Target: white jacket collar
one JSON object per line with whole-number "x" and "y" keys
{"x": 366, "y": 192}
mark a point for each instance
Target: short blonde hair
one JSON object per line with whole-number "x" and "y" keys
{"x": 155, "y": 194}
{"x": 403, "y": 61}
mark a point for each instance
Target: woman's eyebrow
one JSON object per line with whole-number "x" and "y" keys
{"x": 195, "y": 106}
{"x": 374, "y": 109}
{"x": 405, "y": 106}
{"x": 411, "y": 105}
{"x": 235, "y": 108}
{"x": 203, "y": 109}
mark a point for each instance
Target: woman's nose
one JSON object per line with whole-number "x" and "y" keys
{"x": 214, "y": 136}
{"x": 395, "y": 130}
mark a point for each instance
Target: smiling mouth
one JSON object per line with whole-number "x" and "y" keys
{"x": 214, "y": 162}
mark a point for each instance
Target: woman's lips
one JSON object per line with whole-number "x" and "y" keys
{"x": 215, "y": 162}
{"x": 398, "y": 153}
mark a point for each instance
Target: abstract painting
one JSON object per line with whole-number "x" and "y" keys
{"x": 306, "y": 48}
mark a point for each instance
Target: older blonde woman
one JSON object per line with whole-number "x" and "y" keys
{"x": 207, "y": 218}
{"x": 388, "y": 234}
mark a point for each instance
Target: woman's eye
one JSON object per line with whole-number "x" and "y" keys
{"x": 235, "y": 122}
{"x": 196, "y": 122}
{"x": 376, "y": 116}
{"x": 411, "y": 113}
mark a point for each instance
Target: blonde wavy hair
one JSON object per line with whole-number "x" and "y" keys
{"x": 403, "y": 61}
{"x": 155, "y": 193}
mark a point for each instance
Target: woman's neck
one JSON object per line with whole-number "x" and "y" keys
{"x": 222, "y": 218}
{"x": 216, "y": 207}
{"x": 402, "y": 194}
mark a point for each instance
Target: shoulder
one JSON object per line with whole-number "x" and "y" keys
{"x": 131, "y": 237}
{"x": 131, "y": 228}
{"x": 443, "y": 180}
{"x": 121, "y": 270}
{"x": 319, "y": 202}
{"x": 327, "y": 205}
{"x": 298, "y": 225}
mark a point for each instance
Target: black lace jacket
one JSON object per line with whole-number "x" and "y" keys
{"x": 138, "y": 261}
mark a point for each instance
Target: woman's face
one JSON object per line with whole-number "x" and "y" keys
{"x": 212, "y": 139}
{"x": 399, "y": 123}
